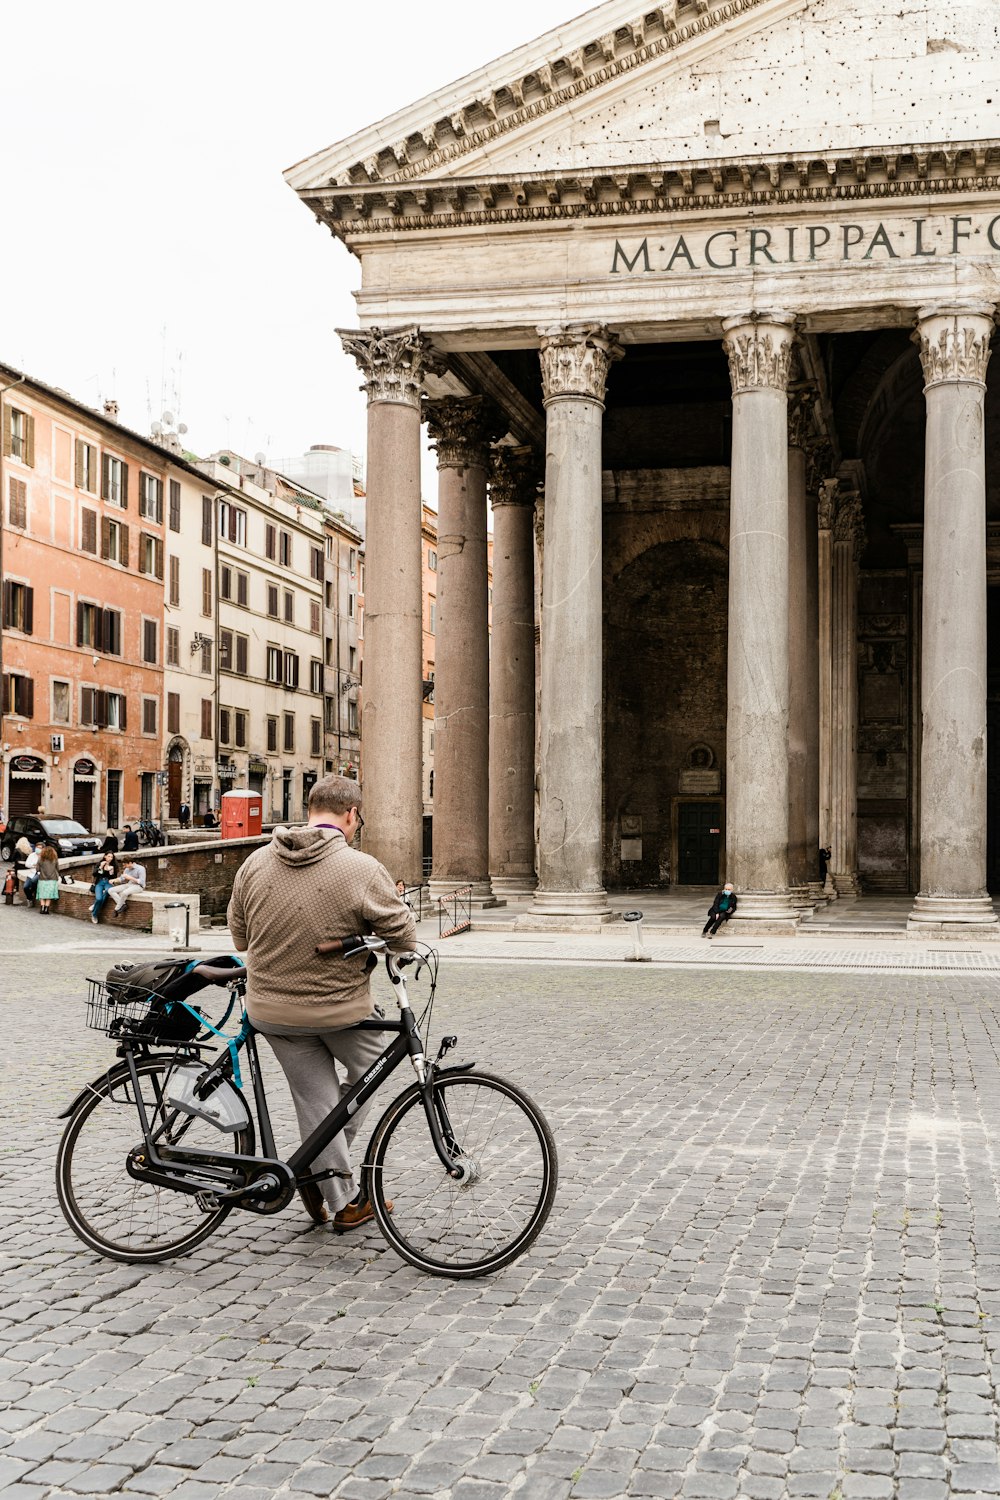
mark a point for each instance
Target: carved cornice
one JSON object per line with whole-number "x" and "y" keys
{"x": 759, "y": 350}
{"x": 576, "y": 361}
{"x": 849, "y": 525}
{"x": 827, "y": 503}
{"x": 515, "y": 477}
{"x": 876, "y": 174}
{"x": 954, "y": 346}
{"x": 461, "y": 429}
{"x": 550, "y": 85}
{"x": 393, "y": 362}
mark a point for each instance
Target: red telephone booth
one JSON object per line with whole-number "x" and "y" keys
{"x": 242, "y": 815}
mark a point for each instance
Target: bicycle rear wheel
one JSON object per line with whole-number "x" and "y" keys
{"x": 112, "y": 1212}
{"x": 469, "y": 1228}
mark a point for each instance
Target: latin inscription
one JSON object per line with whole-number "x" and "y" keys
{"x": 804, "y": 244}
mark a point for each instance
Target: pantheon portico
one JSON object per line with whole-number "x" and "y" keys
{"x": 700, "y": 300}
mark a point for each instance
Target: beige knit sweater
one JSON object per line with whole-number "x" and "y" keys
{"x": 305, "y": 886}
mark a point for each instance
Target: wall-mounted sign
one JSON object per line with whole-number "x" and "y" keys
{"x": 28, "y": 765}
{"x": 84, "y": 768}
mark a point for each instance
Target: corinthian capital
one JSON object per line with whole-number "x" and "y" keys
{"x": 576, "y": 361}
{"x": 800, "y": 417}
{"x": 515, "y": 477}
{"x": 849, "y": 525}
{"x": 392, "y": 361}
{"x": 954, "y": 344}
{"x": 461, "y": 429}
{"x": 827, "y": 503}
{"x": 759, "y": 350}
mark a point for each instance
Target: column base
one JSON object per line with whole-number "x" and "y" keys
{"x": 482, "y": 893}
{"x": 512, "y": 886}
{"x": 817, "y": 894}
{"x": 567, "y": 911}
{"x": 953, "y": 916}
{"x": 801, "y": 898}
{"x": 846, "y": 883}
{"x": 764, "y": 912}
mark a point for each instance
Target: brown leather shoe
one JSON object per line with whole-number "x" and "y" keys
{"x": 353, "y": 1215}
{"x": 315, "y": 1204}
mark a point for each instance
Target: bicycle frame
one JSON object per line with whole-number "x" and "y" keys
{"x": 229, "y": 1176}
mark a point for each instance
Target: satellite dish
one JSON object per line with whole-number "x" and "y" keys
{"x": 157, "y": 429}
{"x": 168, "y": 418}
{"x": 183, "y": 427}
{"x": 260, "y": 459}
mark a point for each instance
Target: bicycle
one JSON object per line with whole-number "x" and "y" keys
{"x": 461, "y": 1168}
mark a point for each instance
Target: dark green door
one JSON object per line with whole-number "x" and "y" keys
{"x": 699, "y": 826}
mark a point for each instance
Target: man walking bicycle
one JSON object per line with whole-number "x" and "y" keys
{"x": 306, "y": 885}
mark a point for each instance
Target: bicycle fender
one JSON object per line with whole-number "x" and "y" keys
{"x": 88, "y": 1089}
{"x": 455, "y": 1068}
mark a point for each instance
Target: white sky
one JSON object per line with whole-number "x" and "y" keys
{"x": 151, "y": 250}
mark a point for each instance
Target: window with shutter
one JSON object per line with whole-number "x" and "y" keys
{"x": 315, "y": 616}
{"x": 289, "y": 737}
{"x": 241, "y": 729}
{"x": 158, "y": 558}
{"x": 272, "y": 735}
{"x": 18, "y": 607}
{"x": 285, "y": 549}
{"x": 243, "y": 589}
{"x": 206, "y": 591}
{"x": 242, "y": 654}
{"x": 111, "y": 631}
{"x": 225, "y": 732}
{"x": 100, "y": 708}
{"x": 272, "y": 600}
{"x": 206, "y": 520}
{"x": 275, "y": 667}
{"x": 88, "y": 706}
{"x": 17, "y": 508}
{"x": 149, "y": 707}
{"x": 150, "y": 643}
{"x": 291, "y": 670}
{"x": 317, "y": 737}
{"x": 173, "y": 713}
{"x": 88, "y": 530}
{"x": 316, "y": 562}
{"x": 315, "y": 676}
{"x": 175, "y": 505}
{"x": 225, "y": 650}
{"x": 225, "y": 582}
{"x": 123, "y": 544}
{"x": 206, "y": 655}
{"x": 114, "y": 475}
{"x": 173, "y": 646}
{"x": 289, "y": 607}
{"x": 175, "y": 580}
{"x": 271, "y": 543}
{"x": 105, "y": 538}
{"x": 206, "y": 718}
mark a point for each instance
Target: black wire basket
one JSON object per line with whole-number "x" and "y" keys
{"x": 139, "y": 1014}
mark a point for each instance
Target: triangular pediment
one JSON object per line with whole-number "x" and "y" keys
{"x": 671, "y": 92}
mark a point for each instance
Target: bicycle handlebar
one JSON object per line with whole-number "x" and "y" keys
{"x": 356, "y": 943}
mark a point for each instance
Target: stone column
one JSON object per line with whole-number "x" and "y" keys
{"x": 461, "y": 429}
{"x": 848, "y": 539}
{"x": 512, "y": 674}
{"x": 954, "y": 351}
{"x": 575, "y": 364}
{"x": 826, "y": 504}
{"x": 393, "y": 363}
{"x": 759, "y": 350}
{"x": 801, "y": 633}
{"x": 812, "y": 675}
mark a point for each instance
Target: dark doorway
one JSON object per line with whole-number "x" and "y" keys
{"x": 114, "y": 809}
{"x": 699, "y": 826}
{"x": 993, "y": 741}
{"x": 25, "y": 796}
{"x": 175, "y": 781}
{"x": 83, "y": 803}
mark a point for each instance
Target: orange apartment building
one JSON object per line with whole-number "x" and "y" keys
{"x": 82, "y": 529}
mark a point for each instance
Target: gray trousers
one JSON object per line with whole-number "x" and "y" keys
{"x": 309, "y": 1063}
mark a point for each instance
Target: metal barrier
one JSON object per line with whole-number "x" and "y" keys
{"x": 455, "y": 912}
{"x": 418, "y": 898}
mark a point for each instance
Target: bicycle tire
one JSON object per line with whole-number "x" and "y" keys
{"x": 451, "y": 1229}
{"x": 88, "y": 1191}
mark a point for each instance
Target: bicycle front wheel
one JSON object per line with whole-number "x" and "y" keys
{"x": 112, "y": 1212}
{"x": 469, "y": 1228}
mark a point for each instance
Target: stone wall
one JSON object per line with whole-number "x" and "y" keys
{"x": 884, "y": 754}
{"x": 207, "y": 869}
{"x": 665, "y": 651}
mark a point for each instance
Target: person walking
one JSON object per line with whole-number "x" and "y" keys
{"x": 308, "y": 884}
{"x": 184, "y": 815}
{"x": 721, "y": 909}
{"x": 105, "y": 871}
{"x": 48, "y": 879}
{"x": 131, "y": 882}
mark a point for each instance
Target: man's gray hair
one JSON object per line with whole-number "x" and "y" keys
{"x": 335, "y": 794}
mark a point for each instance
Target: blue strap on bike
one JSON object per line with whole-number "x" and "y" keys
{"x": 232, "y": 1042}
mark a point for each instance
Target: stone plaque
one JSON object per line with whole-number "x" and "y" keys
{"x": 631, "y": 849}
{"x": 700, "y": 781}
{"x": 882, "y": 697}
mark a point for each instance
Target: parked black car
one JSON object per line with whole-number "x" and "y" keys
{"x": 65, "y": 835}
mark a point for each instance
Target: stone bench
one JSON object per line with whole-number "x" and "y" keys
{"x": 145, "y": 913}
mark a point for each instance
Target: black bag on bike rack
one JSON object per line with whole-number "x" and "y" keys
{"x": 164, "y": 983}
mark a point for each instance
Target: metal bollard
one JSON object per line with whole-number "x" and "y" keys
{"x": 639, "y": 956}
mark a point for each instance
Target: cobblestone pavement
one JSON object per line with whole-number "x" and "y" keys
{"x": 773, "y": 1268}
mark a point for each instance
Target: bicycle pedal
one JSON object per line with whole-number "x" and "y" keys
{"x": 207, "y": 1202}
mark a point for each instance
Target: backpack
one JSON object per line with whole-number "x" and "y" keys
{"x": 161, "y": 984}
